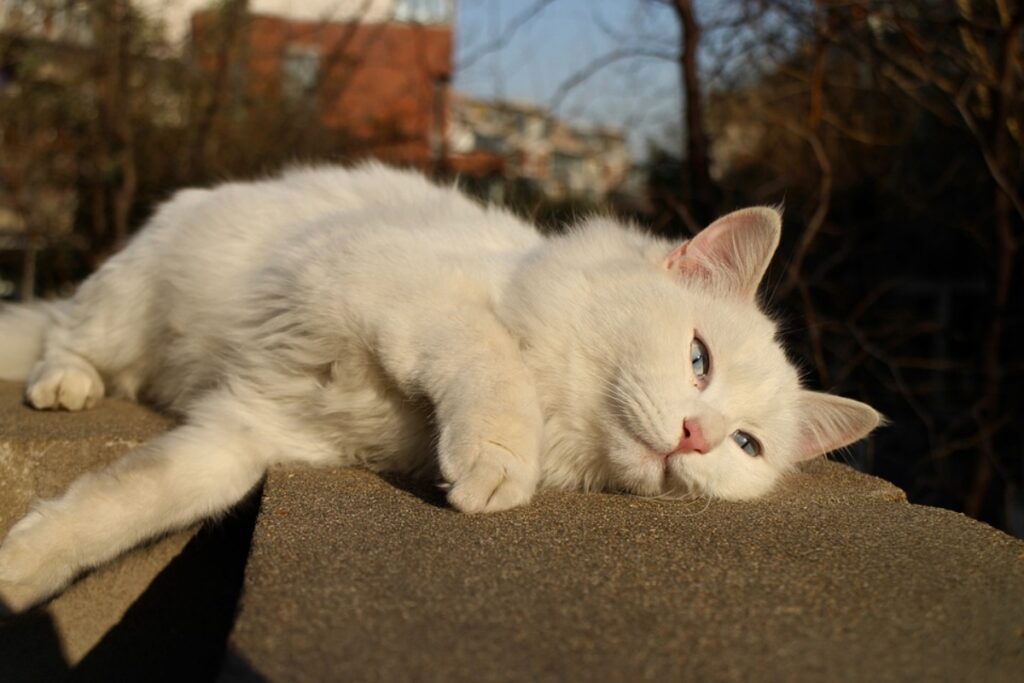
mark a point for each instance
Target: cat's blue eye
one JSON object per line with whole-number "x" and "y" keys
{"x": 749, "y": 444}
{"x": 700, "y": 360}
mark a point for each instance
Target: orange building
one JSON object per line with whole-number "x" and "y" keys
{"x": 383, "y": 83}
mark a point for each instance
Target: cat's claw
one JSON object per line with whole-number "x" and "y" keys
{"x": 492, "y": 484}
{"x": 69, "y": 386}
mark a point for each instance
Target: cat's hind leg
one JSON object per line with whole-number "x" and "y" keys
{"x": 193, "y": 472}
{"x": 64, "y": 380}
{"x": 102, "y": 333}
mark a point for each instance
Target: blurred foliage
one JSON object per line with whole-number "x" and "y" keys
{"x": 97, "y": 109}
{"x": 525, "y": 198}
{"x": 892, "y": 136}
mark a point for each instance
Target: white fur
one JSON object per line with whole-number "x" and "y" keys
{"x": 21, "y": 336}
{"x": 364, "y": 316}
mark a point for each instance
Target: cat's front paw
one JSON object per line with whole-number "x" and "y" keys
{"x": 29, "y": 571}
{"x": 497, "y": 479}
{"x": 71, "y": 386}
{"x": 20, "y": 587}
{"x": 15, "y": 598}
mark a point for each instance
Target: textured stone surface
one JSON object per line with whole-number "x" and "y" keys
{"x": 161, "y": 612}
{"x": 356, "y": 578}
{"x": 41, "y": 453}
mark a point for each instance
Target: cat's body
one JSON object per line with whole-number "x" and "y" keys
{"x": 368, "y": 317}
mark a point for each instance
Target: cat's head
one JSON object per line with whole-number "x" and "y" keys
{"x": 668, "y": 368}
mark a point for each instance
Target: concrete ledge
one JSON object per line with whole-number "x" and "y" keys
{"x": 356, "y": 578}
{"x": 353, "y": 576}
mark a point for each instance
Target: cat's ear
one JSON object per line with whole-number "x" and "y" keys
{"x": 732, "y": 253}
{"x": 831, "y": 422}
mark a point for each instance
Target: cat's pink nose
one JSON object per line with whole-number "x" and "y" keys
{"x": 693, "y": 440}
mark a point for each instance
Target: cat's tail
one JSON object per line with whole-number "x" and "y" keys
{"x": 22, "y": 330}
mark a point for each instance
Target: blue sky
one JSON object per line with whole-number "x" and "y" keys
{"x": 641, "y": 95}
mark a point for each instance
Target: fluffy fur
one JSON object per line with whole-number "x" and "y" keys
{"x": 367, "y": 317}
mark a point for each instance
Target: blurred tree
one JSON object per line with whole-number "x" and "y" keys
{"x": 113, "y": 73}
{"x": 702, "y": 204}
{"x": 100, "y": 119}
{"x": 892, "y": 132}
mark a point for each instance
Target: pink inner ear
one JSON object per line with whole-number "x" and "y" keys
{"x": 733, "y": 252}
{"x": 832, "y": 422}
{"x": 811, "y": 447}
{"x": 673, "y": 259}
{"x": 684, "y": 264}
{"x": 720, "y": 242}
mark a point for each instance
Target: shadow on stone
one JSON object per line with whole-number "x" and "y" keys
{"x": 238, "y": 669}
{"x": 30, "y": 649}
{"x": 424, "y": 489}
{"x": 176, "y": 630}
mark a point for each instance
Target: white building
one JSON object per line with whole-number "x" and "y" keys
{"x": 564, "y": 160}
{"x": 69, "y": 22}
{"x": 176, "y": 13}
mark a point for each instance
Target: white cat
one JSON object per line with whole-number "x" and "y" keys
{"x": 367, "y": 317}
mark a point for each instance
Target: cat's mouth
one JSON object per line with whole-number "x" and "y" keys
{"x": 652, "y": 455}
{"x": 650, "y": 470}
{"x": 651, "y": 452}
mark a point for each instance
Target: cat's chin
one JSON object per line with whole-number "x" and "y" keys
{"x": 681, "y": 469}
{"x": 719, "y": 479}
{"x": 643, "y": 471}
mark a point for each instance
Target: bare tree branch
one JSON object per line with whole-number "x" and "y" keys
{"x": 498, "y": 44}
